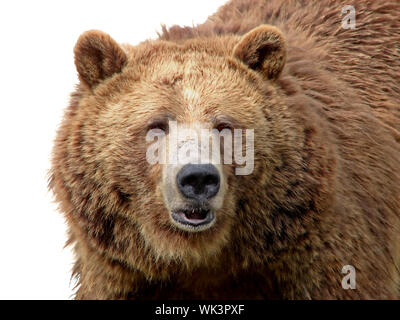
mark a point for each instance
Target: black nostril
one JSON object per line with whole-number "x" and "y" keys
{"x": 198, "y": 181}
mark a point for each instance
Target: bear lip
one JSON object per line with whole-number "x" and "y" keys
{"x": 193, "y": 218}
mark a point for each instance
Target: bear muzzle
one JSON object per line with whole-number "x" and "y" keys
{"x": 195, "y": 219}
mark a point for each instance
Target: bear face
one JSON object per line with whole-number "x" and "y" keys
{"x": 220, "y": 85}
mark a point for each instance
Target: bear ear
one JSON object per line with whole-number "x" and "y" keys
{"x": 97, "y": 57}
{"x": 263, "y": 49}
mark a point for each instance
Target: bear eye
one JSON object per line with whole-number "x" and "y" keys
{"x": 222, "y": 126}
{"x": 158, "y": 125}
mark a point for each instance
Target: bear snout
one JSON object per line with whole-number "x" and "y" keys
{"x": 193, "y": 193}
{"x": 198, "y": 181}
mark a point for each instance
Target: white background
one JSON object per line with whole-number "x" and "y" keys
{"x": 37, "y": 74}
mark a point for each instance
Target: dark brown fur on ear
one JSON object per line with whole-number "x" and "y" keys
{"x": 263, "y": 49}
{"x": 97, "y": 57}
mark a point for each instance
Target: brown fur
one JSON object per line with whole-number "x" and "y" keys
{"x": 325, "y": 191}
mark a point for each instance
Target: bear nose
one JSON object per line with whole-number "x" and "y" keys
{"x": 198, "y": 181}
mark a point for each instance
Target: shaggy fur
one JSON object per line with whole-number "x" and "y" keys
{"x": 325, "y": 192}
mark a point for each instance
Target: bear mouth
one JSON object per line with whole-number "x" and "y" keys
{"x": 195, "y": 219}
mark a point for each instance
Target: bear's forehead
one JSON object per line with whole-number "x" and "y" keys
{"x": 188, "y": 83}
{"x": 164, "y": 58}
{"x": 189, "y": 67}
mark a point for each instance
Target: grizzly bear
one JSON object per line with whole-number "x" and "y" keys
{"x": 318, "y": 216}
